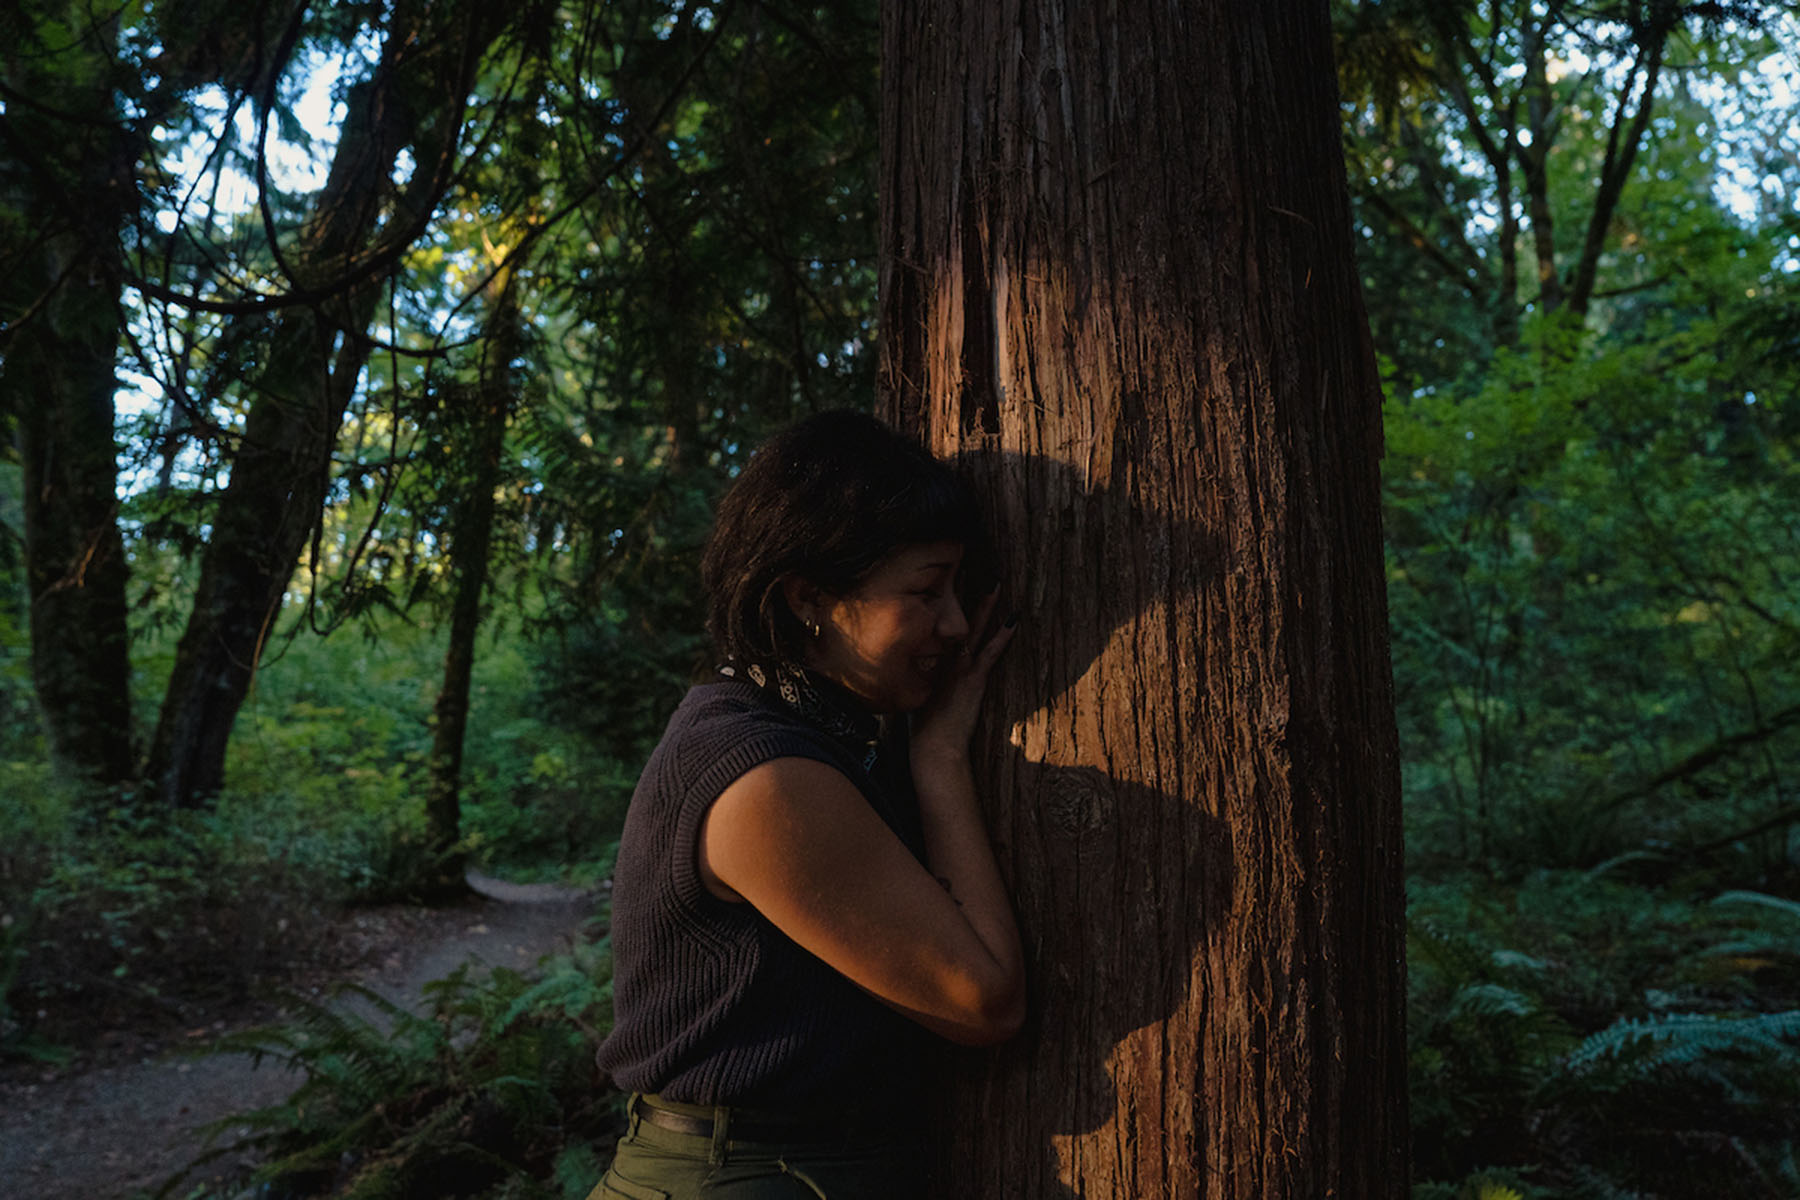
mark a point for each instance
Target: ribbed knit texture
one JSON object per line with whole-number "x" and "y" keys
{"x": 711, "y": 1003}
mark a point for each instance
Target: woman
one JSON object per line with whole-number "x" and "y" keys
{"x": 804, "y": 886}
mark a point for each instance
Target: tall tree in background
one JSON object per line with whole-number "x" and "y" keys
{"x": 65, "y": 195}
{"x": 412, "y": 101}
{"x": 478, "y": 422}
{"x": 1117, "y": 277}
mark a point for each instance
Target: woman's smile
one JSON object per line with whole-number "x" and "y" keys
{"x": 887, "y": 641}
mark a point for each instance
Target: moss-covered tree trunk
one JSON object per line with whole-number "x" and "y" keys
{"x": 67, "y": 191}
{"x": 413, "y": 100}
{"x": 1117, "y": 278}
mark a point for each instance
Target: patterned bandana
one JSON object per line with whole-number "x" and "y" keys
{"x": 824, "y": 704}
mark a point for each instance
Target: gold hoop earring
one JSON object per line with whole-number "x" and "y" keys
{"x": 815, "y": 629}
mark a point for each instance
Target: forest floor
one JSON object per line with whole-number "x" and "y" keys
{"x": 127, "y": 1112}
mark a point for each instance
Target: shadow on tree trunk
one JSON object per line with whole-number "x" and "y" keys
{"x": 1093, "y": 858}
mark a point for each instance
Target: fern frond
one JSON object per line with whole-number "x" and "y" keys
{"x": 1592, "y": 1184}
{"x": 1519, "y": 960}
{"x": 566, "y": 991}
{"x": 1753, "y": 948}
{"x": 1491, "y": 1000}
{"x": 1779, "y": 904}
{"x": 1684, "y": 1037}
{"x": 1495, "y": 1191}
{"x": 1452, "y": 953}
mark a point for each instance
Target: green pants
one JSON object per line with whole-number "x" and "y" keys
{"x": 658, "y": 1164}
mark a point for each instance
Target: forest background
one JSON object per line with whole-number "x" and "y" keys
{"x": 399, "y": 349}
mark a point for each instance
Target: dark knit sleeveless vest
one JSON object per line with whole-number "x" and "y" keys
{"x": 713, "y": 1004}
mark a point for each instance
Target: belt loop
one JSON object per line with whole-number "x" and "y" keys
{"x": 721, "y": 1132}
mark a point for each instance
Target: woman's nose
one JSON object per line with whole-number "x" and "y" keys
{"x": 952, "y": 624}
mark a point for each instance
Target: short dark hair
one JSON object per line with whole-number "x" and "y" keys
{"x": 826, "y": 499}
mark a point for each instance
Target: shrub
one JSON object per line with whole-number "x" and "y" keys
{"x": 117, "y": 912}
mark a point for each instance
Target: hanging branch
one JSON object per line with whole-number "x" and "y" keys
{"x": 1698, "y": 761}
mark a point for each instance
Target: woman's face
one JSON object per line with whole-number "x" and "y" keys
{"x": 886, "y": 640}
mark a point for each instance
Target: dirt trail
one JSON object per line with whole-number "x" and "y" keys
{"x": 104, "y": 1133}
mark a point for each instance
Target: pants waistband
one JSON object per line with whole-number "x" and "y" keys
{"x": 739, "y": 1123}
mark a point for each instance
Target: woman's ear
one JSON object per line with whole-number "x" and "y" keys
{"x": 805, "y": 599}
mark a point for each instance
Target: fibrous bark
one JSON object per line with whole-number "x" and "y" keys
{"x": 1117, "y": 281}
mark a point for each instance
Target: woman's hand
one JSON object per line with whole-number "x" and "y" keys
{"x": 941, "y": 730}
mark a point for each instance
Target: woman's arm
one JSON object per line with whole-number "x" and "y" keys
{"x": 797, "y": 840}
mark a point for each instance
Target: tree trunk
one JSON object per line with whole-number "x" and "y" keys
{"x": 282, "y": 468}
{"x": 471, "y": 537}
{"x": 70, "y": 182}
{"x": 1117, "y": 279}
{"x": 1622, "y": 141}
{"x": 1534, "y": 158}
{"x": 279, "y": 476}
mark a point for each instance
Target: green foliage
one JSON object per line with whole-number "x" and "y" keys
{"x": 540, "y": 798}
{"x": 114, "y": 912}
{"x": 112, "y": 909}
{"x": 1590, "y": 562}
{"x": 620, "y": 633}
{"x": 1588, "y": 1038}
{"x": 1482, "y": 1185}
{"x": 490, "y": 1092}
{"x": 335, "y": 741}
{"x": 1587, "y": 566}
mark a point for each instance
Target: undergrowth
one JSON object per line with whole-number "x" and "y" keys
{"x": 1574, "y": 1036}
{"x": 113, "y": 914}
{"x": 490, "y": 1092}
{"x": 118, "y": 912}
